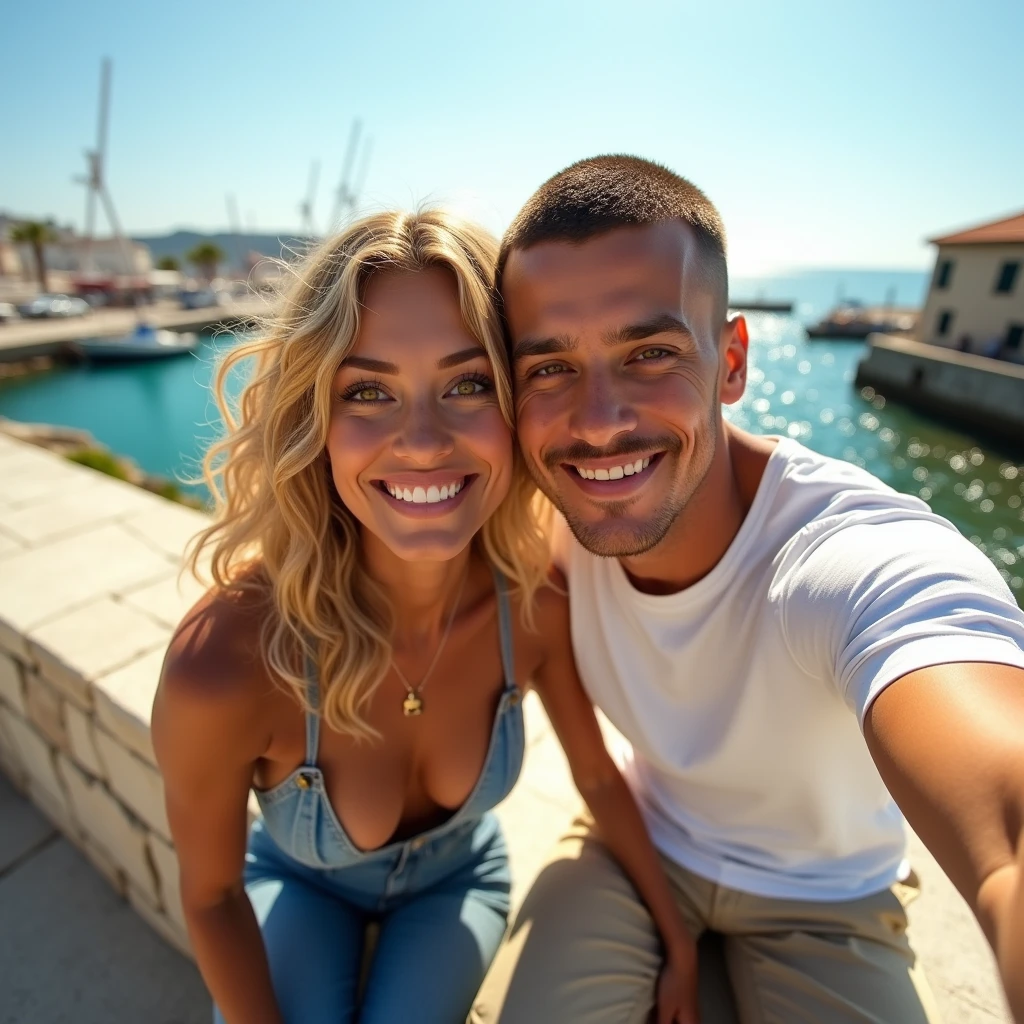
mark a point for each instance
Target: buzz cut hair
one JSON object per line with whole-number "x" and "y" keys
{"x": 602, "y": 193}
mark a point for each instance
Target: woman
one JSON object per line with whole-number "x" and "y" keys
{"x": 379, "y": 608}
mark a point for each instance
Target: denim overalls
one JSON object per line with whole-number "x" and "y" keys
{"x": 441, "y": 898}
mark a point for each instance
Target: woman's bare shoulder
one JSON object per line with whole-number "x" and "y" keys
{"x": 215, "y": 654}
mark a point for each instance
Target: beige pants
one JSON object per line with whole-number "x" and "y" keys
{"x": 583, "y": 950}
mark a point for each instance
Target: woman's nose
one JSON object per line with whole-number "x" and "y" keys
{"x": 424, "y": 436}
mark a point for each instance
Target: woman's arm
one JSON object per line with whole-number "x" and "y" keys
{"x": 206, "y": 741}
{"x": 615, "y": 812}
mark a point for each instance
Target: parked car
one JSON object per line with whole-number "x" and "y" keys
{"x": 7, "y": 312}
{"x": 201, "y": 298}
{"x": 54, "y": 306}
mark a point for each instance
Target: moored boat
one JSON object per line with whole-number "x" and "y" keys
{"x": 145, "y": 342}
{"x": 855, "y": 322}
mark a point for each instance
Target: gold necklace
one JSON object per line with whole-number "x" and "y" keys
{"x": 413, "y": 703}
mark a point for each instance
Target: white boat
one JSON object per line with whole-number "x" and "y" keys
{"x": 145, "y": 342}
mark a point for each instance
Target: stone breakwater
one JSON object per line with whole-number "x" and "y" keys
{"x": 89, "y": 597}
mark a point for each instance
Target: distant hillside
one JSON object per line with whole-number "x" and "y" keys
{"x": 180, "y": 243}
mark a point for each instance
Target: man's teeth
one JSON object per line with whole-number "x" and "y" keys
{"x": 424, "y": 495}
{"x": 615, "y": 472}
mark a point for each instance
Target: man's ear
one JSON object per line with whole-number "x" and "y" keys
{"x": 733, "y": 346}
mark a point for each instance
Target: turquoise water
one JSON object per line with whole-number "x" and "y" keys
{"x": 161, "y": 415}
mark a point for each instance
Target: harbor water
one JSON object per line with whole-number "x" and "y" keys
{"x": 161, "y": 414}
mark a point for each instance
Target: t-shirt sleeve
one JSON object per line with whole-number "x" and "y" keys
{"x": 868, "y": 603}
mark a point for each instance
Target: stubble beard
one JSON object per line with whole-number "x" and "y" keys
{"x": 631, "y": 539}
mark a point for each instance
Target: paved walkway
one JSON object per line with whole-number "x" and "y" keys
{"x": 71, "y": 950}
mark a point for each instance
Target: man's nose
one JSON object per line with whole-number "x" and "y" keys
{"x": 602, "y": 411}
{"x": 424, "y": 436}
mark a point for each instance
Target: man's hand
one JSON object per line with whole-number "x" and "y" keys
{"x": 677, "y": 988}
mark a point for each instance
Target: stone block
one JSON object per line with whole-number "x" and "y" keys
{"x": 10, "y": 759}
{"x": 98, "y": 500}
{"x": 167, "y": 527}
{"x": 137, "y": 784}
{"x": 35, "y": 477}
{"x": 12, "y": 685}
{"x": 107, "y": 824}
{"x": 76, "y": 647}
{"x": 42, "y": 583}
{"x": 82, "y": 741}
{"x": 12, "y": 640}
{"x": 166, "y": 600}
{"x": 171, "y": 933}
{"x": 46, "y": 710}
{"x": 104, "y": 864}
{"x": 56, "y": 808}
{"x": 8, "y": 545}
{"x": 165, "y": 860}
{"x": 35, "y": 754}
{"x": 124, "y": 702}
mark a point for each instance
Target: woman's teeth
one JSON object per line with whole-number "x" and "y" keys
{"x": 615, "y": 472}
{"x": 424, "y": 495}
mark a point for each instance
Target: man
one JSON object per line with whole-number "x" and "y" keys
{"x": 784, "y": 640}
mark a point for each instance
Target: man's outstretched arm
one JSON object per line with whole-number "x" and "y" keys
{"x": 949, "y": 744}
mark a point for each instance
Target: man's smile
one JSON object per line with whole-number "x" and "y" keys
{"x": 612, "y": 477}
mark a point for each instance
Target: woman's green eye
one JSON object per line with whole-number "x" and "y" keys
{"x": 468, "y": 387}
{"x": 367, "y": 395}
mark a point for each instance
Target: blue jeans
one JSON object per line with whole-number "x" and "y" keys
{"x": 441, "y": 903}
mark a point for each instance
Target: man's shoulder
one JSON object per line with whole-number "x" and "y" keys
{"x": 817, "y": 493}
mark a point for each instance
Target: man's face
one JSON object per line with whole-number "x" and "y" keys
{"x": 620, "y": 364}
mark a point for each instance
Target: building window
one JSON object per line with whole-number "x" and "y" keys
{"x": 945, "y": 322}
{"x": 1007, "y": 277}
{"x": 1014, "y": 337}
{"x": 943, "y": 274}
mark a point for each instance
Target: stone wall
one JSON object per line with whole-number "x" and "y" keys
{"x": 89, "y": 595}
{"x": 974, "y": 391}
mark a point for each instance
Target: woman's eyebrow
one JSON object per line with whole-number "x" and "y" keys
{"x": 373, "y": 365}
{"x": 461, "y": 357}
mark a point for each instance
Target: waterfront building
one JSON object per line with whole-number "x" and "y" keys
{"x": 976, "y": 299}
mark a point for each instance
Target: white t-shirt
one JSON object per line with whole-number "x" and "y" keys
{"x": 743, "y": 695}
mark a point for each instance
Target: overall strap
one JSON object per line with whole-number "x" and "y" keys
{"x": 313, "y": 714}
{"x": 505, "y": 628}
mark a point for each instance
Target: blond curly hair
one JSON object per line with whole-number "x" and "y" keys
{"x": 280, "y": 528}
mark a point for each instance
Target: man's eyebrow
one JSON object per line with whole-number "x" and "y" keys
{"x": 373, "y": 365}
{"x": 456, "y": 358}
{"x": 663, "y": 323}
{"x": 543, "y": 346}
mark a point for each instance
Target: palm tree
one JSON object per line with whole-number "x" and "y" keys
{"x": 205, "y": 257}
{"x": 36, "y": 234}
{"x": 168, "y": 263}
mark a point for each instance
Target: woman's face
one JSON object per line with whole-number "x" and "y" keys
{"x": 419, "y": 450}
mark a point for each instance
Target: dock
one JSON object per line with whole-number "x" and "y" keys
{"x": 27, "y": 339}
{"x": 960, "y": 388}
{"x": 761, "y": 305}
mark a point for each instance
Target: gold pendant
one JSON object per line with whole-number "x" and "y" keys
{"x": 412, "y": 705}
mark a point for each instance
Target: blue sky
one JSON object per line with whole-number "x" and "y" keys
{"x": 829, "y": 133}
